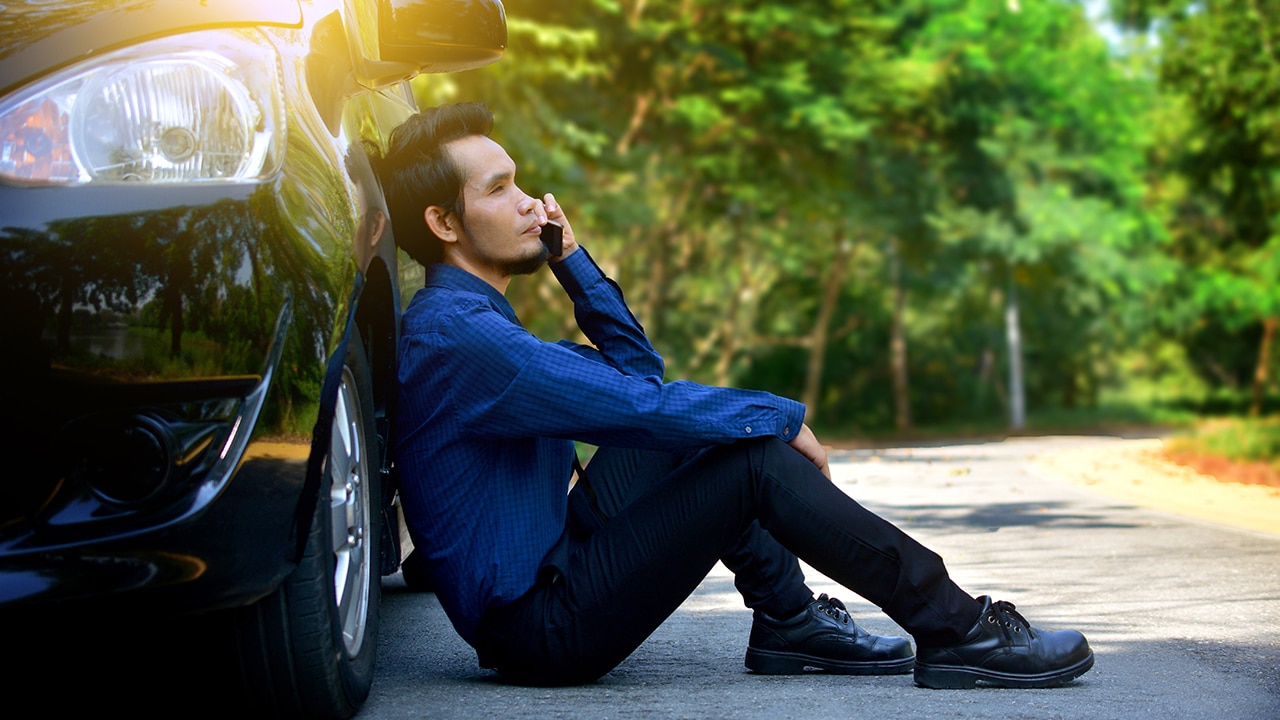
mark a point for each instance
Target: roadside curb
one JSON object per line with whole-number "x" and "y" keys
{"x": 1136, "y": 471}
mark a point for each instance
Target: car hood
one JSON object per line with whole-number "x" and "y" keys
{"x": 38, "y": 36}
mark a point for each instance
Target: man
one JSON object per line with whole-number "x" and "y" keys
{"x": 557, "y": 586}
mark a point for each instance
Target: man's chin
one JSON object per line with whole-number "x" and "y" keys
{"x": 528, "y": 265}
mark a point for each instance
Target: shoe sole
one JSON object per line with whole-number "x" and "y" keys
{"x": 964, "y": 677}
{"x": 768, "y": 662}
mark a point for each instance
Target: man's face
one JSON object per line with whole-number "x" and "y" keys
{"x": 500, "y": 230}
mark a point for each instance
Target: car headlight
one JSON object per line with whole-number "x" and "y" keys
{"x": 203, "y": 106}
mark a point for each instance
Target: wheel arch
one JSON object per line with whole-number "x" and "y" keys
{"x": 373, "y": 317}
{"x": 377, "y": 315}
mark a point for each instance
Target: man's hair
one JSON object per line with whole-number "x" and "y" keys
{"x": 417, "y": 172}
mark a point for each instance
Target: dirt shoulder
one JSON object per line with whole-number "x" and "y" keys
{"x": 1138, "y": 472}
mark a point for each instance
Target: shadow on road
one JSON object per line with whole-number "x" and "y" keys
{"x": 993, "y": 517}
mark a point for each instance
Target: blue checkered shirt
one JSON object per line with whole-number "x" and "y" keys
{"x": 487, "y": 414}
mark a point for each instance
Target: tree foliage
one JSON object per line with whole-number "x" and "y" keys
{"x": 840, "y": 200}
{"x": 1220, "y": 64}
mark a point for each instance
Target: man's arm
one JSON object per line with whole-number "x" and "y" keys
{"x": 603, "y": 316}
{"x": 599, "y": 308}
{"x": 512, "y": 385}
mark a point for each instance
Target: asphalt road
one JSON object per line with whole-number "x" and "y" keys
{"x": 1183, "y": 615}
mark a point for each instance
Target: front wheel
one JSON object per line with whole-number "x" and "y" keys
{"x": 307, "y": 650}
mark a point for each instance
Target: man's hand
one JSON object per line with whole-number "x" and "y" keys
{"x": 806, "y": 443}
{"x": 556, "y": 213}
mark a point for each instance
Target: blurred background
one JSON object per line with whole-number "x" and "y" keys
{"x": 921, "y": 217}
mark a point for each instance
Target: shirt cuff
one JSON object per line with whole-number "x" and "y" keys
{"x": 791, "y": 418}
{"x": 577, "y": 272}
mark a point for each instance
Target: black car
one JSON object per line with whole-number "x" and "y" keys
{"x": 201, "y": 302}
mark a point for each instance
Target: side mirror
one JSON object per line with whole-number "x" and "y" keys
{"x": 442, "y": 35}
{"x": 397, "y": 39}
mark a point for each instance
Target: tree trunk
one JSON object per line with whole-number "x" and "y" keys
{"x": 655, "y": 295}
{"x": 658, "y": 263}
{"x": 1070, "y": 386}
{"x": 1017, "y": 393}
{"x": 898, "y": 342}
{"x": 730, "y": 338}
{"x": 177, "y": 324}
{"x": 986, "y": 371}
{"x": 1264, "y": 360}
{"x": 822, "y": 325}
{"x": 66, "y": 303}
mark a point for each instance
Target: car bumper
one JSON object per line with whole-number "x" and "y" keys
{"x": 230, "y": 553}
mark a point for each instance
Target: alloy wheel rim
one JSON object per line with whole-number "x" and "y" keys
{"x": 349, "y": 515}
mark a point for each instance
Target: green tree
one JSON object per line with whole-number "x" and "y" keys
{"x": 1042, "y": 150}
{"x": 1220, "y": 61}
{"x": 836, "y": 200}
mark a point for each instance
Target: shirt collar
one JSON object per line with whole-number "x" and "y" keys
{"x": 455, "y": 278}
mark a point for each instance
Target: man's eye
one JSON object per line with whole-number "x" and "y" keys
{"x": 496, "y": 189}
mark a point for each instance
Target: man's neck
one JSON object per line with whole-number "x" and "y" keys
{"x": 489, "y": 275}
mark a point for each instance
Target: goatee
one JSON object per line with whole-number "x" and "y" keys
{"x": 528, "y": 265}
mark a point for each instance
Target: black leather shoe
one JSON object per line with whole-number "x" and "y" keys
{"x": 1004, "y": 650}
{"x": 823, "y": 637}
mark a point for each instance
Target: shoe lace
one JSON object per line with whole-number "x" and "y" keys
{"x": 834, "y": 608}
{"x": 1002, "y": 613}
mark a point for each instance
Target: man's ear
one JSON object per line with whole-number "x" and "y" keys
{"x": 443, "y": 225}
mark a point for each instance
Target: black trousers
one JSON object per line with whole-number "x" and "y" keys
{"x": 647, "y": 527}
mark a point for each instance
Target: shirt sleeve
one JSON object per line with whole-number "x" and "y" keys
{"x": 603, "y": 315}
{"x": 510, "y": 384}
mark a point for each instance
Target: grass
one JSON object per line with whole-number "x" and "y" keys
{"x": 1235, "y": 439}
{"x": 1105, "y": 420}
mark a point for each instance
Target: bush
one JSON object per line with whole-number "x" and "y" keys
{"x": 1237, "y": 439}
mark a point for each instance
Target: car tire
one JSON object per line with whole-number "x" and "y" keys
{"x": 308, "y": 649}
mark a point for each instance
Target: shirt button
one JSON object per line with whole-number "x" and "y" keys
{"x": 748, "y": 429}
{"x": 786, "y": 430}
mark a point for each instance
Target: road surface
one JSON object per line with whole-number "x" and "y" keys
{"x": 1182, "y": 612}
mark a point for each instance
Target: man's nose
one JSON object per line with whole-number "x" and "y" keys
{"x": 528, "y": 205}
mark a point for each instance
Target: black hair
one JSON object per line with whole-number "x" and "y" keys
{"x": 417, "y": 173}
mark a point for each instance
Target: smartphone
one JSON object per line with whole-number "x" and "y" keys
{"x": 553, "y": 238}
